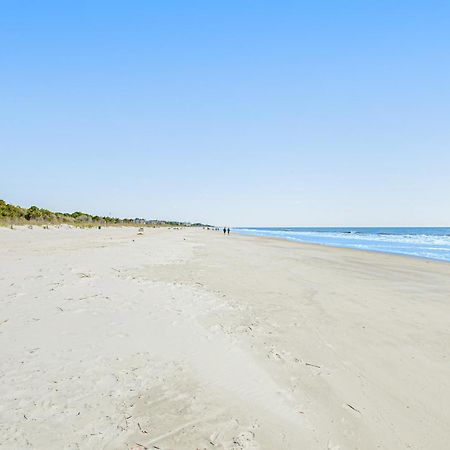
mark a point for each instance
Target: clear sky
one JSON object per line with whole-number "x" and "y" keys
{"x": 314, "y": 113}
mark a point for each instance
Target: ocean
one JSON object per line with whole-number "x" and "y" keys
{"x": 431, "y": 243}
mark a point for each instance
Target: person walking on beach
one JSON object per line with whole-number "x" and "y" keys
{"x": 228, "y": 230}
{"x": 224, "y": 230}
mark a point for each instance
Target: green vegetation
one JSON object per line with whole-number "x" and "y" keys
{"x": 11, "y": 214}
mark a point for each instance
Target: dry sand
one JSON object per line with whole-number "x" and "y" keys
{"x": 188, "y": 339}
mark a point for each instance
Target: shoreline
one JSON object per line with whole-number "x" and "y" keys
{"x": 186, "y": 338}
{"x": 313, "y": 245}
{"x": 344, "y": 248}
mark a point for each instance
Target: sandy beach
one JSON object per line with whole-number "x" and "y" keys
{"x": 189, "y": 339}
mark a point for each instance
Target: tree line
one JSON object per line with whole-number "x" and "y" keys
{"x": 15, "y": 214}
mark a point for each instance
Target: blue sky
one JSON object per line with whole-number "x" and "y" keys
{"x": 235, "y": 112}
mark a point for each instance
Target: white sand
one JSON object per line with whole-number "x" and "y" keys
{"x": 188, "y": 339}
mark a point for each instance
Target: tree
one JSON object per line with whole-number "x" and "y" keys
{"x": 33, "y": 213}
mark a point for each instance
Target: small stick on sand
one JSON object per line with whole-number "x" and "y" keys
{"x": 312, "y": 365}
{"x": 140, "y": 428}
{"x": 354, "y": 409}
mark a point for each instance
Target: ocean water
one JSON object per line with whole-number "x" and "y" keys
{"x": 432, "y": 243}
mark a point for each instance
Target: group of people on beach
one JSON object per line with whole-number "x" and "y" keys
{"x": 226, "y": 230}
